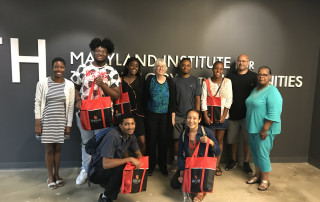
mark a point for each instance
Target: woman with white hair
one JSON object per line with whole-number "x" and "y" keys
{"x": 160, "y": 104}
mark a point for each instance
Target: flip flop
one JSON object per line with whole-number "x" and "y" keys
{"x": 60, "y": 183}
{"x": 51, "y": 185}
{"x": 253, "y": 180}
{"x": 199, "y": 197}
{"x": 218, "y": 171}
{"x": 264, "y": 185}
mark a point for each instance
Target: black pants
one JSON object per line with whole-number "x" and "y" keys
{"x": 157, "y": 125}
{"x": 109, "y": 179}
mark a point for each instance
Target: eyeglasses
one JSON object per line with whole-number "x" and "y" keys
{"x": 243, "y": 61}
{"x": 101, "y": 51}
{"x": 263, "y": 75}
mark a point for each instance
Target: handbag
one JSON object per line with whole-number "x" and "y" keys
{"x": 121, "y": 106}
{"x": 213, "y": 104}
{"x": 96, "y": 113}
{"x": 199, "y": 172}
{"x": 134, "y": 181}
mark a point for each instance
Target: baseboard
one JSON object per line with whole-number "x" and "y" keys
{"x": 314, "y": 162}
{"x": 294, "y": 159}
{"x": 22, "y": 165}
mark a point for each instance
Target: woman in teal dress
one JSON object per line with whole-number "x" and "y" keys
{"x": 264, "y": 107}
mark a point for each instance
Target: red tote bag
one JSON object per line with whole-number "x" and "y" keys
{"x": 134, "y": 181}
{"x": 96, "y": 113}
{"x": 199, "y": 172}
{"x": 121, "y": 106}
{"x": 213, "y": 104}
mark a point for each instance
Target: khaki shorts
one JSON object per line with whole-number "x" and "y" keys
{"x": 237, "y": 129}
{"x": 179, "y": 126}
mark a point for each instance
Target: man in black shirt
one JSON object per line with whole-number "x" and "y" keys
{"x": 243, "y": 82}
{"x": 113, "y": 149}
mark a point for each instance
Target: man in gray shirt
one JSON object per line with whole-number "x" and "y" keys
{"x": 188, "y": 92}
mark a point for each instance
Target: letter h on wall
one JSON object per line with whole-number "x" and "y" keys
{"x": 16, "y": 59}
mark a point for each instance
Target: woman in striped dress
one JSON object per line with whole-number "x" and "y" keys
{"x": 53, "y": 117}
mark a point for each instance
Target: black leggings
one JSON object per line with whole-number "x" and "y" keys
{"x": 157, "y": 135}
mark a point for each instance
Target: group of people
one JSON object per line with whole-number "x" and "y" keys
{"x": 163, "y": 110}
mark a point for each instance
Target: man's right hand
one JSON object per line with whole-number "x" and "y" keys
{"x": 135, "y": 162}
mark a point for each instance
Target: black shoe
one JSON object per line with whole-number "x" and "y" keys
{"x": 231, "y": 165}
{"x": 246, "y": 167}
{"x": 164, "y": 172}
{"x": 104, "y": 199}
{"x": 150, "y": 172}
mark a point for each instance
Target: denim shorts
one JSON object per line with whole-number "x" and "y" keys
{"x": 219, "y": 126}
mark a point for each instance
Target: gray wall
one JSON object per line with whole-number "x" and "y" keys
{"x": 284, "y": 35}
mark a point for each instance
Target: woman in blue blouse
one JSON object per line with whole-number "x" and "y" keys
{"x": 160, "y": 99}
{"x": 188, "y": 141}
{"x": 264, "y": 107}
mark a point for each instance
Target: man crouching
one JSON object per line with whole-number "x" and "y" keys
{"x": 113, "y": 149}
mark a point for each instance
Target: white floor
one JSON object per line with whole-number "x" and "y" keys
{"x": 289, "y": 182}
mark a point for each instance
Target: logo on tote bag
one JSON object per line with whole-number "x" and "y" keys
{"x": 195, "y": 180}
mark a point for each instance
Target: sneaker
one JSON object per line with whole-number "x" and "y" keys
{"x": 174, "y": 166}
{"x": 246, "y": 167}
{"x": 82, "y": 177}
{"x": 231, "y": 165}
{"x": 104, "y": 199}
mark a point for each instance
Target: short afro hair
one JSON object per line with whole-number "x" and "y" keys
{"x": 125, "y": 116}
{"x": 105, "y": 43}
{"x": 58, "y": 59}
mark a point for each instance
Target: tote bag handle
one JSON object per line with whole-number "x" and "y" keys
{"x": 195, "y": 153}
{"x": 92, "y": 88}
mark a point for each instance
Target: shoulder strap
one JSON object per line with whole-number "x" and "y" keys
{"x": 219, "y": 87}
{"x": 183, "y": 136}
{"x": 203, "y": 131}
{"x": 100, "y": 135}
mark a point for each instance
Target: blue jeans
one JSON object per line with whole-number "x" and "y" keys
{"x": 85, "y": 136}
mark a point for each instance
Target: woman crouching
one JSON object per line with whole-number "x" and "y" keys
{"x": 188, "y": 141}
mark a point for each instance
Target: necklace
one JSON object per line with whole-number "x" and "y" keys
{"x": 192, "y": 143}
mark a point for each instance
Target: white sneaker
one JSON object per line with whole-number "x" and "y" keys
{"x": 82, "y": 177}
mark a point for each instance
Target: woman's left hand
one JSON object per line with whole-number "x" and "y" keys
{"x": 263, "y": 134}
{"x": 222, "y": 119}
{"x": 67, "y": 130}
{"x": 203, "y": 139}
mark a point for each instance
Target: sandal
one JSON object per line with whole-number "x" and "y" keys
{"x": 51, "y": 185}
{"x": 60, "y": 183}
{"x": 218, "y": 171}
{"x": 199, "y": 197}
{"x": 253, "y": 180}
{"x": 264, "y": 185}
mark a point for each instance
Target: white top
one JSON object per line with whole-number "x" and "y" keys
{"x": 41, "y": 95}
{"x": 225, "y": 93}
{"x": 85, "y": 75}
